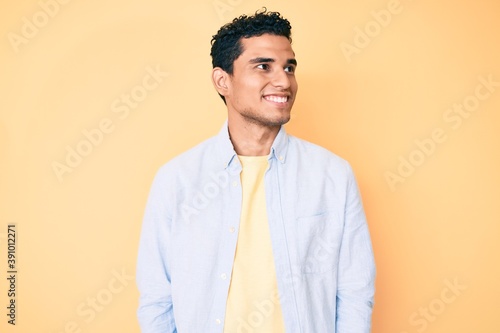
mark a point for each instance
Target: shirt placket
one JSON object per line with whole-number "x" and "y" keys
{"x": 231, "y": 211}
{"x": 274, "y": 201}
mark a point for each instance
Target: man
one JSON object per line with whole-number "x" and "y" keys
{"x": 255, "y": 230}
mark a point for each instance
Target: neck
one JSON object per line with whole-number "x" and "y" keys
{"x": 250, "y": 138}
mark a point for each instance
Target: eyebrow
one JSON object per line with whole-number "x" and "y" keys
{"x": 260, "y": 60}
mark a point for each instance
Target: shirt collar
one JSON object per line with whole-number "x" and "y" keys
{"x": 227, "y": 153}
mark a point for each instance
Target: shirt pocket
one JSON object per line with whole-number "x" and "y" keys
{"x": 318, "y": 242}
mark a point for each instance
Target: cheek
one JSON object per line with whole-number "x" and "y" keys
{"x": 248, "y": 90}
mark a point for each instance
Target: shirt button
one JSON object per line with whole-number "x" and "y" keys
{"x": 231, "y": 230}
{"x": 235, "y": 183}
{"x": 218, "y": 321}
{"x": 281, "y": 158}
{"x": 223, "y": 276}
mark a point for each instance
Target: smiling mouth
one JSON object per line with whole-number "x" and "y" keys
{"x": 277, "y": 99}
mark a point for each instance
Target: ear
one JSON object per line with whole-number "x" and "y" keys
{"x": 221, "y": 81}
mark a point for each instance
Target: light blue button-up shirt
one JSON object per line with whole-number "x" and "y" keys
{"x": 321, "y": 245}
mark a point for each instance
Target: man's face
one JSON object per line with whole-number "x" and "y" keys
{"x": 262, "y": 88}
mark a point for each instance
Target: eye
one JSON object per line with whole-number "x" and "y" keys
{"x": 290, "y": 69}
{"x": 263, "y": 66}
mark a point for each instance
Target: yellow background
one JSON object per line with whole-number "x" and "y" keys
{"x": 74, "y": 235}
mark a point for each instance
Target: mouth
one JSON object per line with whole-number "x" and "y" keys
{"x": 277, "y": 99}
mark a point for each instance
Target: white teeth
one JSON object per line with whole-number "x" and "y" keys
{"x": 276, "y": 99}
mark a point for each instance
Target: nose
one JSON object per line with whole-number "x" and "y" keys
{"x": 281, "y": 79}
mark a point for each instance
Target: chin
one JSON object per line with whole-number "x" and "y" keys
{"x": 279, "y": 121}
{"x": 268, "y": 118}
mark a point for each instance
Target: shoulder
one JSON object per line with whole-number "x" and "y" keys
{"x": 191, "y": 157}
{"x": 189, "y": 161}
{"x": 316, "y": 155}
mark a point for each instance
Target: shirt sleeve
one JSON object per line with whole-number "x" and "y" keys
{"x": 155, "y": 311}
{"x": 356, "y": 274}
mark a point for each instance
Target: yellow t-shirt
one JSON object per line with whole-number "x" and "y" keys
{"x": 253, "y": 302}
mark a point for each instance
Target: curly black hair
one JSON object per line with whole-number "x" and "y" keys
{"x": 226, "y": 44}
